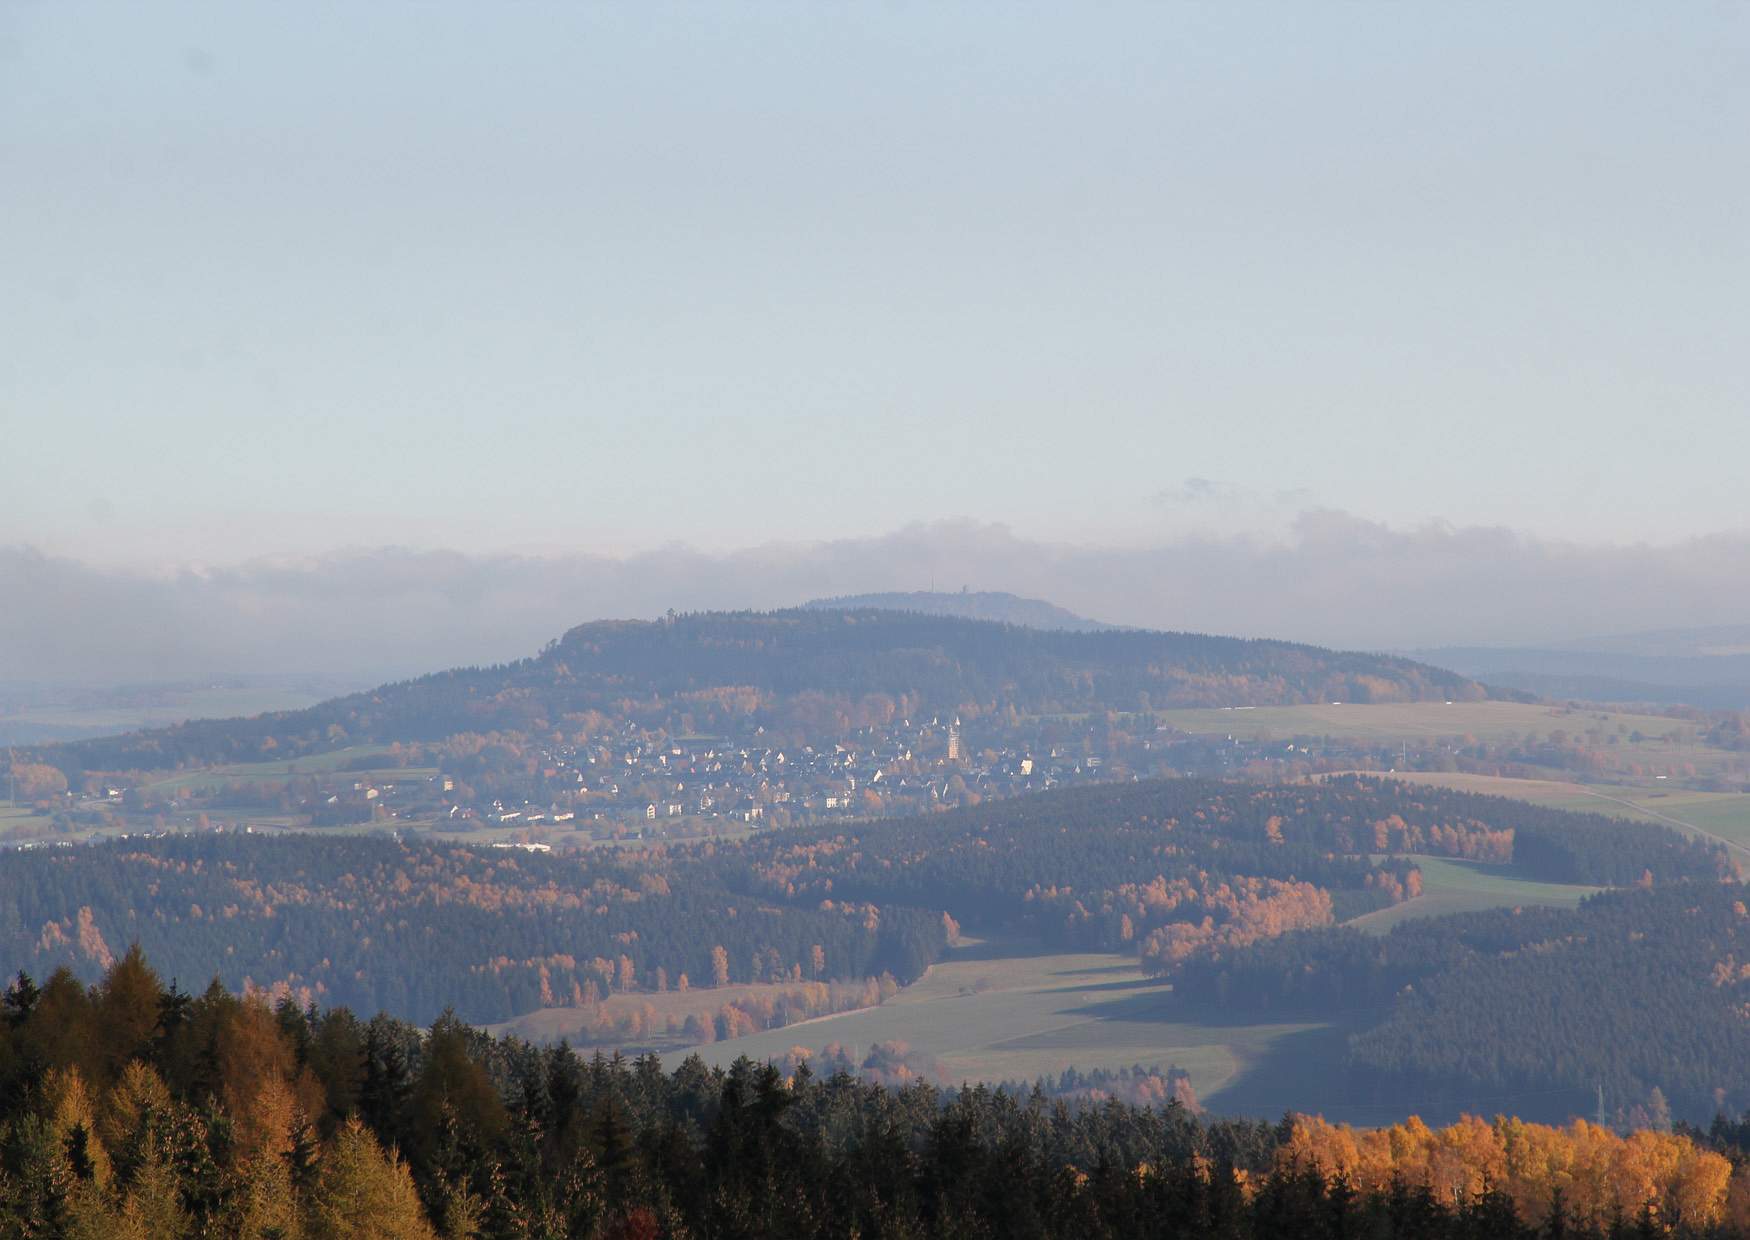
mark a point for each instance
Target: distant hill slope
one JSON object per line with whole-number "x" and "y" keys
{"x": 813, "y": 674}
{"x": 996, "y": 605}
{"x": 1710, "y": 681}
{"x": 1712, "y": 641}
{"x": 40, "y": 713}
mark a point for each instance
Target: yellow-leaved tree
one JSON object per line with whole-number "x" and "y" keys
{"x": 363, "y": 1193}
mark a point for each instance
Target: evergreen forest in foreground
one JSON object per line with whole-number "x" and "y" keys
{"x": 129, "y": 1110}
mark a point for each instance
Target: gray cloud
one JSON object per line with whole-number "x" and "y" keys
{"x": 1333, "y": 578}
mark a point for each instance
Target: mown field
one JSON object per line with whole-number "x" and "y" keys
{"x": 1487, "y": 721}
{"x": 999, "y": 1010}
{"x": 241, "y": 774}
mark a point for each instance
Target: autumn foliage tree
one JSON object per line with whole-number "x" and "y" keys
{"x": 1594, "y": 1173}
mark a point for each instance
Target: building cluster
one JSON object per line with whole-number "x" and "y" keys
{"x": 637, "y": 783}
{"x": 642, "y": 783}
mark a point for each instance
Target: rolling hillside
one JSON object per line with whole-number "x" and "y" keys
{"x": 1704, "y": 668}
{"x": 806, "y": 672}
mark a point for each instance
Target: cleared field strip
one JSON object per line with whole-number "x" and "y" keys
{"x": 1454, "y": 886}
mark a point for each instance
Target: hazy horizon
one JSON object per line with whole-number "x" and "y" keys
{"x": 375, "y": 613}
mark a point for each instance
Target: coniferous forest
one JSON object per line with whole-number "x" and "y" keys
{"x": 128, "y": 1109}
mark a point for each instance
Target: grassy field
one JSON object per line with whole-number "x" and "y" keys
{"x": 242, "y": 773}
{"x": 16, "y": 816}
{"x": 1455, "y": 886}
{"x": 1010, "y": 1011}
{"x": 1487, "y": 721}
{"x": 999, "y": 1011}
{"x": 1724, "y": 815}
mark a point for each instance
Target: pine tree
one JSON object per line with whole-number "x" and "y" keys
{"x": 21, "y": 996}
{"x": 383, "y": 1091}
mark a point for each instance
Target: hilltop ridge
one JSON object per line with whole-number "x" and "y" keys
{"x": 793, "y": 670}
{"x": 998, "y": 605}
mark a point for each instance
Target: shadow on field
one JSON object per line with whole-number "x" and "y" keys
{"x": 1153, "y": 1000}
{"x": 991, "y": 949}
{"x": 1281, "y": 1068}
{"x": 1302, "y": 1071}
{"x": 1129, "y": 983}
{"x": 1105, "y": 968}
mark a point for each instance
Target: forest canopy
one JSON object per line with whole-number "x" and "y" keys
{"x": 128, "y": 1109}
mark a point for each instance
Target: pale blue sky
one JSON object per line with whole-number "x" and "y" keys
{"x": 278, "y": 278}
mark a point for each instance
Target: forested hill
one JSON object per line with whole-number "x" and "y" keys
{"x": 1004, "y": 608}
{"x": 803, "y": 672}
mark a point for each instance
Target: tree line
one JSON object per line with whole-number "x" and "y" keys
{"x": 128, "y": 1109}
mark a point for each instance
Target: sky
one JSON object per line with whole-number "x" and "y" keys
{"x": 307, "y": 284}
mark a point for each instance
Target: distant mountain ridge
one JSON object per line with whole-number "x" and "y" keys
{"x": 1710, "y": 681}
{"x": 997, "y": 605}
{"x": 1710, "y": 641}
{"x": 802, "y": 672}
